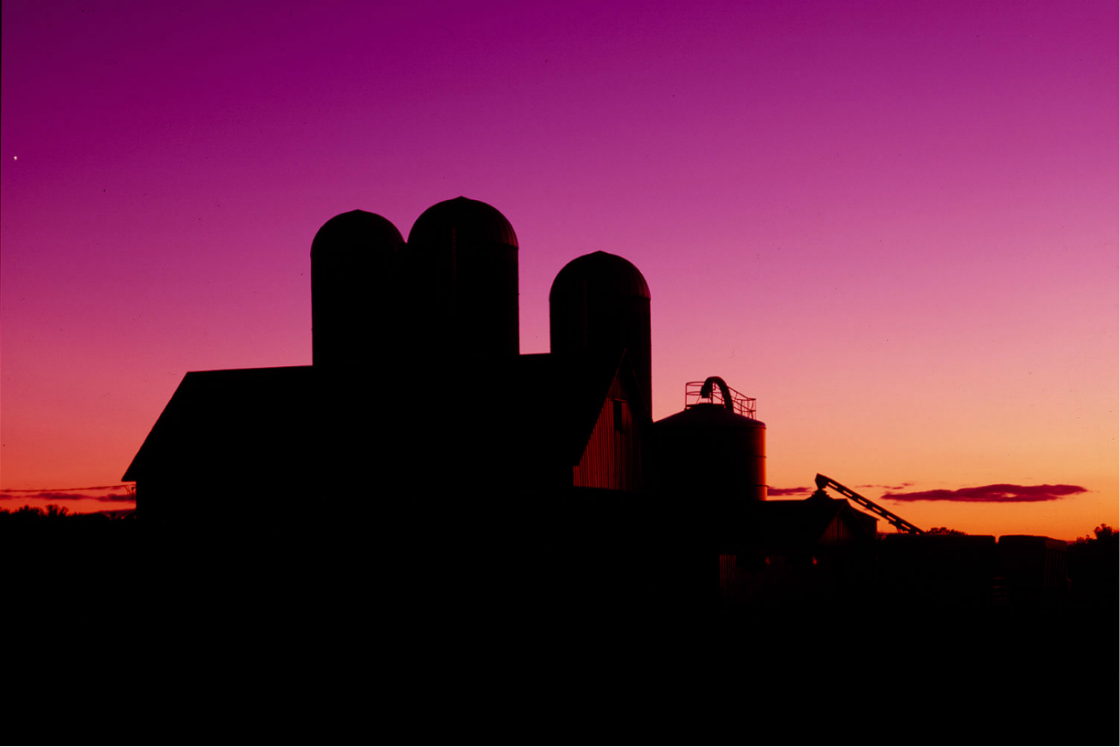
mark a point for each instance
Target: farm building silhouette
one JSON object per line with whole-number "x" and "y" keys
{"x": 426, "y": 534}
{"x": 420, "y": 431}
{"x": 417, "y": 385}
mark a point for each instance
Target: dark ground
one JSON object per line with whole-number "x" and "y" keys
{"x": 128, "y": 638}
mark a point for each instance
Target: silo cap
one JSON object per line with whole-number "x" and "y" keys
{"x": 608, "y": 273}
{"x": 469, "y": 221}
{"x": 356, "y": 231}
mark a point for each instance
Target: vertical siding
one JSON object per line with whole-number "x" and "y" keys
{"x": 836, "y": 533}
{"x": 1054, "y": 568}
{"x": 728, "y": 578}
{"x": 612, "y": 457}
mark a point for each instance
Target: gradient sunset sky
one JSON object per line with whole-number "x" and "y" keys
{"x": 894, "y": 223}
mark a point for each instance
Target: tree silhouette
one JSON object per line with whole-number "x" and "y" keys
{"x": 1103, "y": 534}
{"x": 1094, "y": 570}
{"x": 54, "y": 511}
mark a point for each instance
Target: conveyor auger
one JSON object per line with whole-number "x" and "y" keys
{"x": 897, "y": 522}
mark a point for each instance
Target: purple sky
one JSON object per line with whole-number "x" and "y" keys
{"x": 895, "y": 224}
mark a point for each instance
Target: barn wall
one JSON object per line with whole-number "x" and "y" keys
{"x": 612, "y": 458}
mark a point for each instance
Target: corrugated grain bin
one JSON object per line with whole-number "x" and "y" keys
{"x": 708, "y": 452}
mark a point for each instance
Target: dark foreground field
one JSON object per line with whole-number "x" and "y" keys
{"x": 130, "y": 638}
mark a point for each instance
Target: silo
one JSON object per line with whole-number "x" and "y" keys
{"x": 714, "y": 449}
{"x": 599, "y": 304}
{"x": 463, "y": 259}
{"x": 354, "y": 289}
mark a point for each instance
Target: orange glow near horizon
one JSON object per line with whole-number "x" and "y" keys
{"x": 893, "y": 224}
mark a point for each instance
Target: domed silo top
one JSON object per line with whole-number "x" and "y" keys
{"x": 468, "y": 221}
{"x": 356, "y": 231}
{"x": 599, "y": 305}
{"x": 355, "y": 289}
{"x": 609, "y": 274}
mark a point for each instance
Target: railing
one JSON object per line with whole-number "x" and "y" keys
{"x": 713, "y": 391}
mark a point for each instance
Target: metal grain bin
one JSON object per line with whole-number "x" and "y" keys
{"x": 712, "y": 450}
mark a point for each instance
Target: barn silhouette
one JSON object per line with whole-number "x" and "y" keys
{"x": 417, "y": 387}
{"x": 420, "y": 443}
{"x": 420, "y": 431}
{"x": 487, "y": 534}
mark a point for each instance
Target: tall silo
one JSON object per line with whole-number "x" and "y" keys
{"x": 355, "y": 281}
{"x": 463, "y": 259}
{"x": 599, "y": 304}
{"x": 715, "y": 449}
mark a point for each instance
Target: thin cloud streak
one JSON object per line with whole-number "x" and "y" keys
{"x": 54, "y": 495}
{"x": 808, "y": 490}
{"x": 5, "y": 491}
{"x": 788, "y": 491}
{"x": 1001, "y": 493}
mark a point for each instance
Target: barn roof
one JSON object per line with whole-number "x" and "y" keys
{"x": 251, "y": 414}
{"x": 563, "y": 395}
{"x": 221, "y": 424}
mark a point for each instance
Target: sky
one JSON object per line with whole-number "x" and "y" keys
{"x": 894, "y": 224}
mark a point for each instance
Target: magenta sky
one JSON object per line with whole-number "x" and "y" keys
{"x": 894, "y": 223}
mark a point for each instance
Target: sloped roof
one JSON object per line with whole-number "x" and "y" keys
{"x": 251, "y": 415}
{"x": 224, "y": 423}
{"x": 563, "y": 395}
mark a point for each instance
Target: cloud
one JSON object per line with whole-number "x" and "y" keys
{"x": 64, "y": 490}
{"x": 788, "y": 491}
{"x": 886, "y": 487}
{"x": 116, "y": 494}
{"x": 808, "y": 490}
{"x": 1001, "y": 493}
